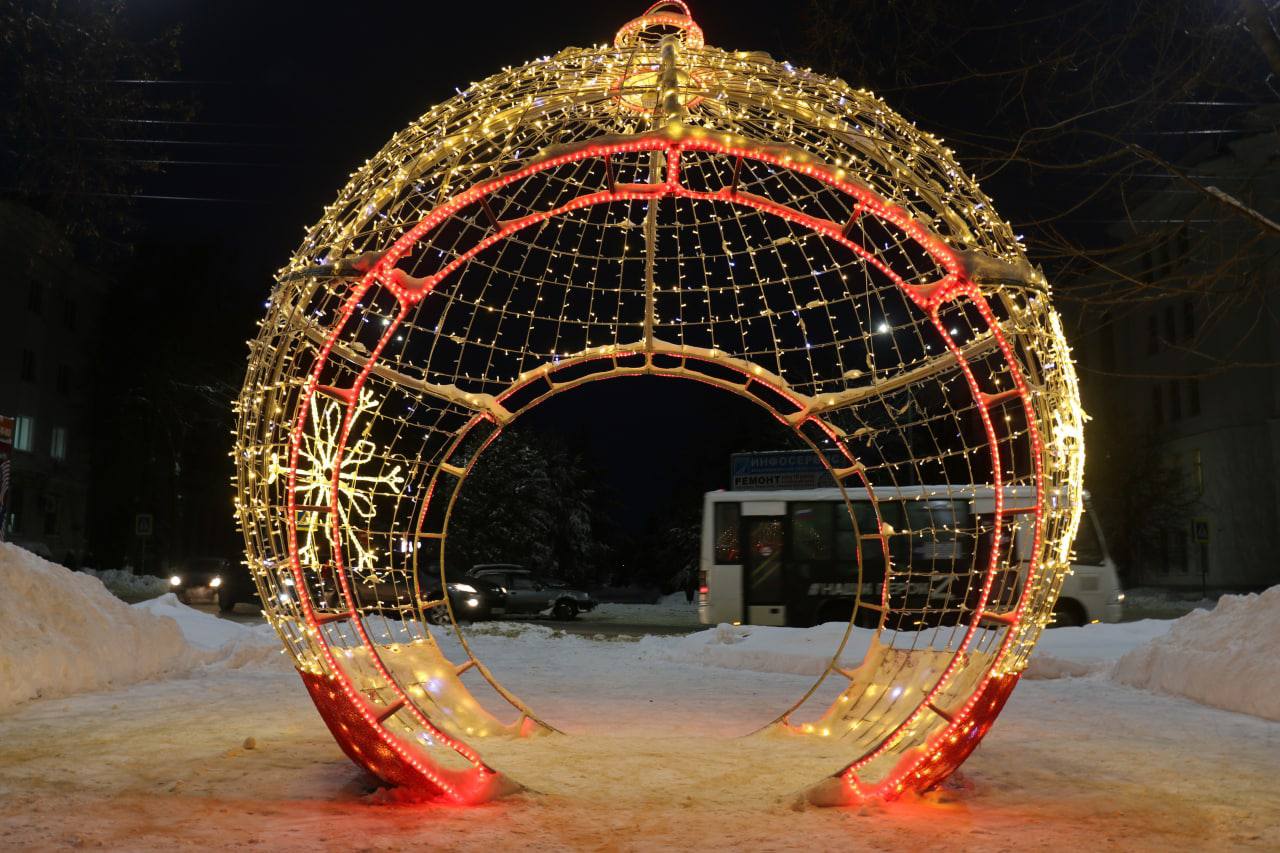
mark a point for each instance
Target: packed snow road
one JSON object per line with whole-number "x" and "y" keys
{"x": 580, "y": 626}
{"x": 218, "y": 746}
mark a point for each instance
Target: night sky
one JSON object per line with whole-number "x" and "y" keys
{"x": 288, "y": 98}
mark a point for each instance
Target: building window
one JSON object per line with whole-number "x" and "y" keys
{"x": 58, "y": 443}
{"x": 1193, "y": 396}
{"x": 1175, "y": 401}
{"x": 64, "y": 379}
{"x": 1197, "y": 472}
{"x": 1153, "y": 335}
{"x": 28, "y": 368}
{"x": 35, "y": 298}
{"x": 1157, "y": 405}
{"x": 69, "y": 310}
{"x": 24, "y": 428}
{"x": 1170, "y": 324}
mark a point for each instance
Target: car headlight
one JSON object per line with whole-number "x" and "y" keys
{"x": 216, "y": 582}
{"x": 473, "y": 602}
{"x": 465, "y": 587}
{"x": 175, "y": 581}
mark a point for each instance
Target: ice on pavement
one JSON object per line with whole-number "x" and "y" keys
{"x": 63, "y": 632}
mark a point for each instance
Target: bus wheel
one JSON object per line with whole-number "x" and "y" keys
{"x": 1067, "y": 613}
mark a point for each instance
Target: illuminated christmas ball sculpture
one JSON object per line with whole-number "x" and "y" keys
{"x": 659, "y": 207}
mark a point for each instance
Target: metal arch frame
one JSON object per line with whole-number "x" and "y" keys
{"x": 669, "y": 141}
{"x": 750, "y": 374}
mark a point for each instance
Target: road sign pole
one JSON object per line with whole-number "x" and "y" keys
{"x": 1204, "y": 569}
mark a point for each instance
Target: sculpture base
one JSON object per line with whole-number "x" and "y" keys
{"x": 370, "y": 747}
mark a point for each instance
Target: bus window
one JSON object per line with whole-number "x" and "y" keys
{"x": 764, "y": 560}
{"x": 934, "y": 525}
{"x": 865, "y": 513}
{"x": 846, "y": 536}
{"x": 1088, "y": 548}
{"x": 811, "y": 530}
{"x": 726, "y": 531}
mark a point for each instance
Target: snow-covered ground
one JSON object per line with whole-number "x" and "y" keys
{"x": 1080, "y": 762}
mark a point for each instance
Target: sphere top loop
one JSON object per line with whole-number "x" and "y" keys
{"x": 659, "y": 21}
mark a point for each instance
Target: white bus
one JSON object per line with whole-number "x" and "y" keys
{"x": 790, "y": 557}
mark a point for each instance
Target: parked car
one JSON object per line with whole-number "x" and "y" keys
{"x": 529, "y": 593}
{"x": 199, "y": 578}
{"x": 473, "y": 599}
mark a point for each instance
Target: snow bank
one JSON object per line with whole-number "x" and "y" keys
{"x": 217, "y": 641}
{"x": 128, "y": 585}
{"x": 1228, "y": 657}
{"x": 1061, "y": 652}
{"x": 63, "y": 632}
{"x": 669, "y": 610}
{"x": 1155, "y": 599}
{"x": 798, "y": 651}
{"x": 1073, "y": 652}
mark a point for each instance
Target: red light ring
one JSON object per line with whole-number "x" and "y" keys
{"x": 409, "y": 291}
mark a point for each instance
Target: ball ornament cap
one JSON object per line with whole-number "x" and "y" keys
{"x": 661, "y": 207}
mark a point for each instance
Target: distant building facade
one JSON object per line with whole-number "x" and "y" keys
{"x": 49, "y": 306}
{"x": 1193, "y": 367}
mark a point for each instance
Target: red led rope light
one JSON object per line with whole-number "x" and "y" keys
{"x": 929, "y": 298}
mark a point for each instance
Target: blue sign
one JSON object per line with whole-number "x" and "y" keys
{"x": 783, "y": 469}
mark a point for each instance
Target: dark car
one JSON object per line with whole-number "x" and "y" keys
{"x": 237, "y": 587}
{"x": 199, "y": 578}
{"x": 473, "y": 599}
{"x": 528, "y": 593}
